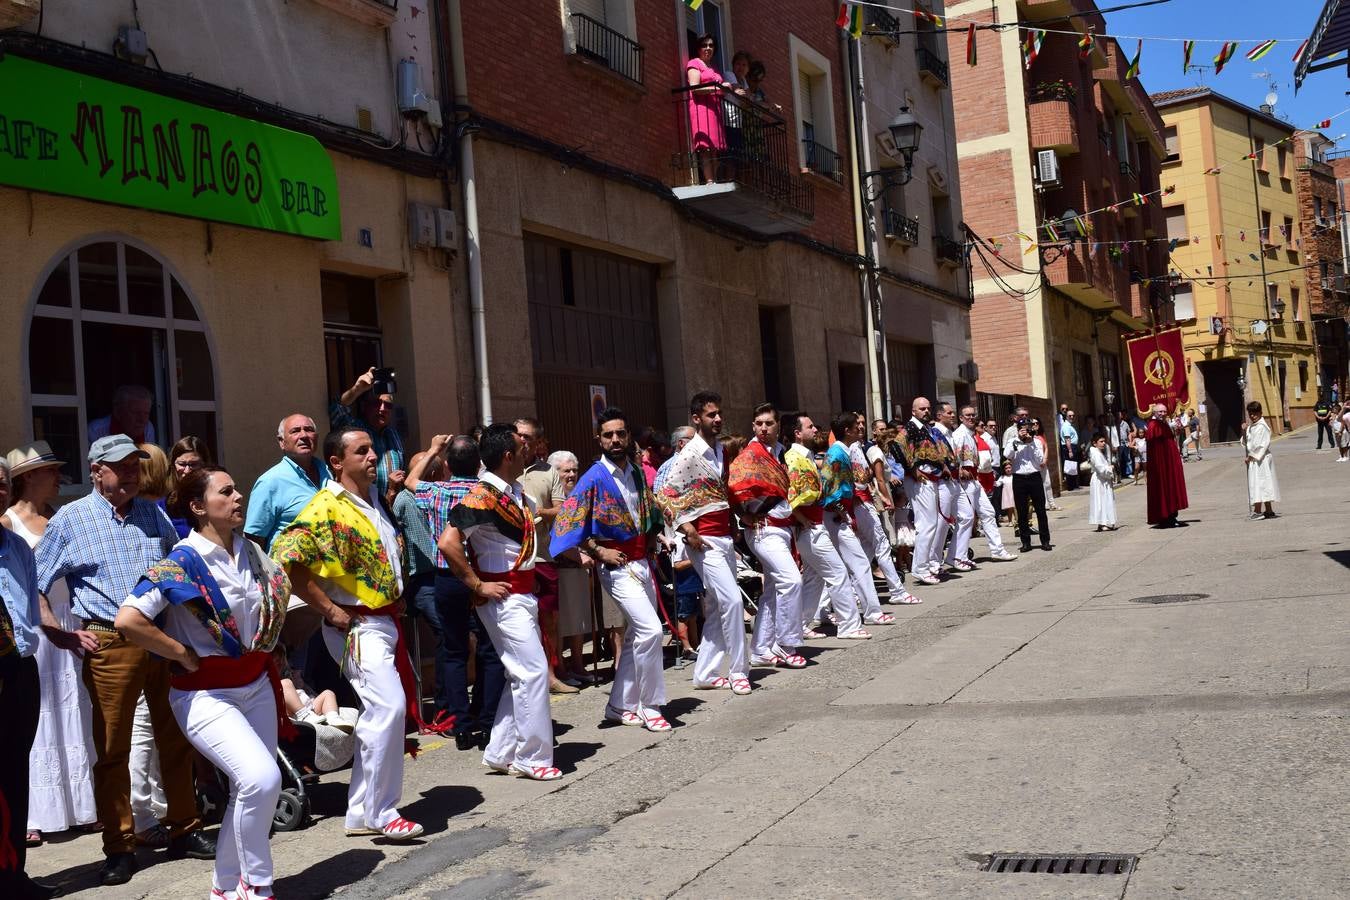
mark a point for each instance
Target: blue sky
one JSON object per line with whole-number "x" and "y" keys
{"x": 1289, "y": 22}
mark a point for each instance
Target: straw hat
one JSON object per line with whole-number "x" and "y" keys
{"x": 32, "y": 456}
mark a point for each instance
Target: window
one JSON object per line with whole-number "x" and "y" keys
{"x": 1282, "y": 161}
{"x": 1173, "y": 145}
{"x": 1259, "y": 152}
{"x": 1287, "y": 231}
{"x": 1317, "y": 207}
{"x": 1294, "y": 312}
{"x": 1176, "y": 222}
{"x": 1082, "y": 376}
{"x": 1272, "y": 298}
{"x": 351, "y": 328}
{"x": 942, "y": 215}
{"x": 1183, "y": 302}
{"x": 1266, "y": 237}
{"x": 112, "y": 313}
{"x": 814, "y": 95}
{"x": 709, "y": 18}
{"x": 604, "y": 32}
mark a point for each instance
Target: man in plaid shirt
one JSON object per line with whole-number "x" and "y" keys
{"x": 454, "y": 604}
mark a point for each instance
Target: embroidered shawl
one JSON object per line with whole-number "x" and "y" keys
{"x": 691, "y": 486}
{"x": 486, "y": 504}
{"x": 929, "y": 455}
{"x": 757, "y": 480}
{"x": 333, "y": 539}
{"x": 804, "y": 487}
{"x": 184, "y": 579}
{"x": 596, "y": 509}
{"x": 836, "y": 475}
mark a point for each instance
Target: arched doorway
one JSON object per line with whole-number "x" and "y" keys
{"x": 111, "y": 313}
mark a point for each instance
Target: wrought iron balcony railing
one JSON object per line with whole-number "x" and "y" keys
{"x": 821, "y": 160}
{"x": 613, "y": 50}
{"x": 900, "y": 227}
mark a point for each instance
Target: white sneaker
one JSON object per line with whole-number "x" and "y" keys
{"x": 1004, "y": 556}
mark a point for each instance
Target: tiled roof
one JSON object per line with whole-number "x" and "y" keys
{"x": 1166, "y": 96}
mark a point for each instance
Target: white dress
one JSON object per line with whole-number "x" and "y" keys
{"x": 1102, "y": 500}
{"x": 60, "y": 765}
{"x": 1261, "y": 484}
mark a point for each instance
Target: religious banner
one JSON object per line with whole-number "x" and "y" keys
{"x": 1158, "y": 367}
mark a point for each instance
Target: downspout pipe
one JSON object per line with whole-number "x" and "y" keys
{"x": 473, "y": 250}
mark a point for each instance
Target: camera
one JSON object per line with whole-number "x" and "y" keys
{"x": 1023, "y": 423}
{"x": 384, "y": 382}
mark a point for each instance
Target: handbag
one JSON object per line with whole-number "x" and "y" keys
{"x": 904, "y": 535}
{"x": 1070, "y": 467}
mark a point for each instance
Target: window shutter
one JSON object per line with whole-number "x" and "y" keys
{"x": 804, "y": 111}
{"x": 594, "y": 9}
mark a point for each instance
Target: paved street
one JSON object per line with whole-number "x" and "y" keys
{"x": 1027, "y": 707}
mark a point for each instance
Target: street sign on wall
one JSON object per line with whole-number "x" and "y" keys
{"x": 66, "y": 133}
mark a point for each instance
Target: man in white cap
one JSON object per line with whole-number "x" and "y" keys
{"x": 101, "y": 544}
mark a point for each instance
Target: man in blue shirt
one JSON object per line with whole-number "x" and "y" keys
{"x": 101, "y": 545}
{"x": 283, "y": 490}
{"x": 20, "y": 702}
{"x": 362, "y": 406}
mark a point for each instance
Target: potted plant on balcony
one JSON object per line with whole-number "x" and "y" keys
{"x": 1054, "y": 90}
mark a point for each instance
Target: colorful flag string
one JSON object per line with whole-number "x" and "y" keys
{"x": 849, "y": 19}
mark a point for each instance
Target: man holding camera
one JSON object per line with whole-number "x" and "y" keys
{"x": 369, "y": 404}
{"x": 1027, "y": 457}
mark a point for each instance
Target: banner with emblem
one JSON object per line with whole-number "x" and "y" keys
{"x": 1158, "y": 367}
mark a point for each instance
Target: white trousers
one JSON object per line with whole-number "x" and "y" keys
{"x": 923, "y": 502}
{"x": 984, "y": 511}
{"x": 966, "y": 505}
{"x": 722, "y": 647}
{"x": 825, "y": 580}
{"x": 639, "y": 684}
{"x": 377, "y": 767}
{"x": 855, "y": 560}
{"x": 872, "y": 535}
{"x": 236, "y": 729}
{"x": 523, "y": 730}
{"x": 778, "y": 622}
{"x": 148, "y": 805}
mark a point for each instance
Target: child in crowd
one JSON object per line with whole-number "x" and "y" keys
{"x": 1102, "y": 502}
{"x": 688, "y": 599}
{"x": 302, "y": 707}
{"x": 1003, "y": 489}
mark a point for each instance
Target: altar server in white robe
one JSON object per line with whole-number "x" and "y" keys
{"x": 1102, "y": 497}
{"x": 1262, "y": 488}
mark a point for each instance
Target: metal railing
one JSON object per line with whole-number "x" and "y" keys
{"x": 931, "y": 62}
{"x": 615, "y": 51}
{"x": 1128, "y": 170}
{"x": 948, "y": 250}
{"x": 900, "y": 227}
{"x": 726, "y": 137}
{"x": 881, "y": 24}
{"x": 821, "y": 159}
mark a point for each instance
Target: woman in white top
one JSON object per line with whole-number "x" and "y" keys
{"x": 1102, "y": 500}
{"x": 60, "y": 766}
{"x": 1262, "y": 488}
{"x": 1341, "y": 427}
{"x": 214, "y": 608}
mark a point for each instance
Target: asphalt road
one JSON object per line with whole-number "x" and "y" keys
{"x": 1036, "y": 706}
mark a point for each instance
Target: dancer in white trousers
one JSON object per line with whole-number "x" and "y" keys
{"x": 934, "y": 505}
{"x": 839, "y": 500}
{"x": 869, "y": 475}
{"x": 342, "y": 554}
{"x": 612, "y": 516}
{"x": 497, "y": 521}
{"x": 691, "y": 490}
{"x": 758, "y": 483}
{"x": 226, "y": 699}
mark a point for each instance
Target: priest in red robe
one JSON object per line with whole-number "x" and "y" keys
{"x": 1166, "y": 481}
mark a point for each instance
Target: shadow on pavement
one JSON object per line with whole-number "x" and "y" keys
{"x": 326, "y": 876}
{"x": 1340, "y": 556}
{"x": 440, "y": 804}
{"x": 566, "y": 756}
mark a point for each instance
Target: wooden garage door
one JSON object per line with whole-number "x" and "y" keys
{"x": 593, "y": 323}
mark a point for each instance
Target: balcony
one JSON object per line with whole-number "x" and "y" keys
{"x": 1127, "y": 171}
{"x": 881, "y": 26}
{"x": 736, "y": 163}
{"x": 822, "y": 161}
{"x": 1053, "y": 118}
{"x": 598, "y": 43}
{"x": 899, "y": 227}
{"x": 1098, "y": 283}
{"x": 948, "y": 251}
{"x": 932, "y": 67}
{"x": 1129, "y": 97}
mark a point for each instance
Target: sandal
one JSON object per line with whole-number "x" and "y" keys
{"x": 401, "y": 830}
{"x": 861, "y": 634}
{"x": 792, "y": 661}
{"x": 811, "y": 634}
{"x": 880, "y": 619}
{"x": 740, "y": 686}
{"x": 656, "y": 723}
{"x": 715, "y": 685}
{"x": 622, "y": 716}
{"x": 33, "y": 838}
{"x": 537, "y": 773}
{"x": 907, "y": 599}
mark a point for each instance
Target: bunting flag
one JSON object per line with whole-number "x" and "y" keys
{"x": 1031, "y": 47}
{"x": 1140, "y": 199}
{"x": 1218, "y": 241}
{"x": 693, "y": 4}
{"x": 1226, "y": 53}
{"x": 849, "y": 19}
{"x": 1030, "y": 250}
{"x": 1325, "y": 123}
{"x": 924, "y": 15}
{"x": 1298, "y": 54}
{"x": 972, "y": 58}
{"x": 1085, "y": 46}
{"x": 1026, "y": 237}
{"x": 1187, "y": 48}
{"x": 1214, "y": 170}
{"x": 1052, "y": 231}
{"x": 1260, "y": 50}
{"x": 1251, "y": 155}
{"x": 1080, "y": 227}
{"x": 1242, "y": 236}
{"x": 1133, "y": 70}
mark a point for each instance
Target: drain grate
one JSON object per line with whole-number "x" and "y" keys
{"x": 1169, "y": 598}
{"x": 1049, "y": 864}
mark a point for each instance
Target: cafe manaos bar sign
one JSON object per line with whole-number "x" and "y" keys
{"x": 66, "y": 133}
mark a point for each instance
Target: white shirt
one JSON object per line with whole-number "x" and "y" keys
{"x": 963, "y": 443}
{"x": 995, "y": 453}
{"x": 237, "y": 586}
{"x": 712, "y": 454}
{"x": 370, "y": 507}
{"x": 1027, "y": 458}
{"x": 492, "y": 550}
{"x": 624, "y": 479}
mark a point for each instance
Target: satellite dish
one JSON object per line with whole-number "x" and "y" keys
{"x": 1272, "y": 98}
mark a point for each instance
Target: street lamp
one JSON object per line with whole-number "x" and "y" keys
{"x": 1277, "y": 307}
{"x": 1242, "y": 382}
{"x": 899, "y": 141}
{"x": 1110, "y": 397}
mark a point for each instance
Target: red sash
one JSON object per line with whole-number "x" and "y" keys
{"x": 633, "y": 548}
{"x": 521, "y": 582}
{"x": 219, "y": 672}
{"x": 815, "y": 512}
{"x": 780, "y": 523}
{"x": 717, "y": 524}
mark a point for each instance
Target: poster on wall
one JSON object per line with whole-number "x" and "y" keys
{"x": 599, "y": 400}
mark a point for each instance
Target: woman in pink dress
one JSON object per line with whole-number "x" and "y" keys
{"x": 707, "y": 138}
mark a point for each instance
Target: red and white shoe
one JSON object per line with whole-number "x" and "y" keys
{"x": 250, "y": 892}
{"x": 655, "y": 722}
{"x": 717, "y": 684}
{"x": 218, "y": 894}
{"x": 402, "y": 830}
{"x": 622, "y": 716}
{"x": 537, "y": 773}
{"x": 963, "y": 565}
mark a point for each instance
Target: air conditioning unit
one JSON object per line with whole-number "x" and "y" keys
{"x": 1047, "y": 168}
{"x": 968, "y": 371}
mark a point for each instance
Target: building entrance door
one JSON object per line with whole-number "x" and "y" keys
{"x": 1223, "y": 400}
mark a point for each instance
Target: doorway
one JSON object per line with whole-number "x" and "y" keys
{"x": 1223, "y": 400}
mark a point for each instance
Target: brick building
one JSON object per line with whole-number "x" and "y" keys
{"x": 1319, "y": 220}
{"x": 1047, "y": 144}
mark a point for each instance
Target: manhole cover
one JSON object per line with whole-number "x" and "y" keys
{"x": 1169, "y": 598}
{"x": 1050, "y": 864}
